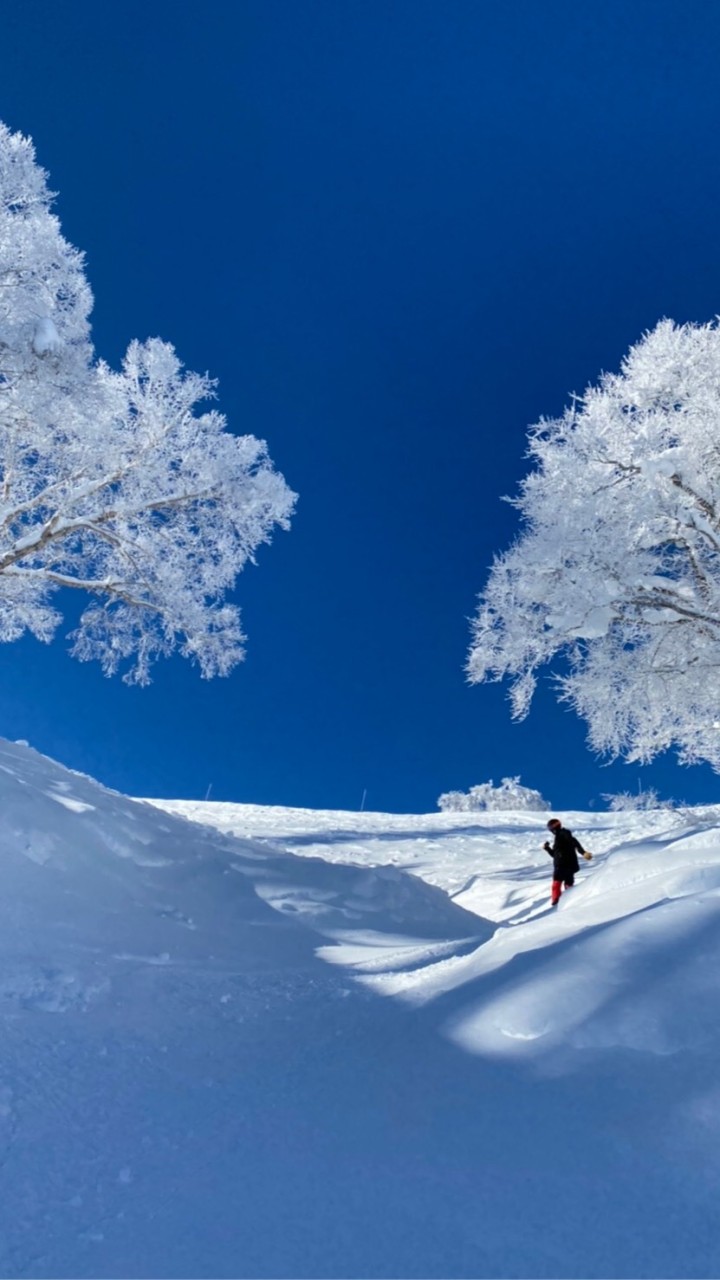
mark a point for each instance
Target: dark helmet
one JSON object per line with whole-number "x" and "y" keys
{"x": 554, "y": 824}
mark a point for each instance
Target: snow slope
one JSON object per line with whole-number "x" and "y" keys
{"x": 594, "y": 1028}
{"x": 270, "y": 1043}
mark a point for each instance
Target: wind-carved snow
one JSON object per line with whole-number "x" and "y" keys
{"x": 287, "y": 1043}
{"x": 69, "y": 802}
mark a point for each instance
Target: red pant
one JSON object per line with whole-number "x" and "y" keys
{"x": 557, "y": 888}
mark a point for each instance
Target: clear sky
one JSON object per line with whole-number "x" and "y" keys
{"x": 397, "y": 233}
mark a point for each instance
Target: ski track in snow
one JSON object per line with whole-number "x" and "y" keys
{"x": 241, "y": 1041}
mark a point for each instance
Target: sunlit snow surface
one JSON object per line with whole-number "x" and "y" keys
{"x": 287, "y": 1043}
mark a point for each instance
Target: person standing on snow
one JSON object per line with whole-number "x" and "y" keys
{"x": 564, "y": 852}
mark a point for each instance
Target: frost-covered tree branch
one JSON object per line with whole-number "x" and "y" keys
{"x": 617, "y": 568}
{"x": 118, "y": 484}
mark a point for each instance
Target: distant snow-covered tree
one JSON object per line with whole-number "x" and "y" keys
{"x": 509, "y": 795}
{"x": 637, "y": 802}
{"x": 454, "y": 802}
{"x": 618, "y": 564}
{"x": 114, "y": 483}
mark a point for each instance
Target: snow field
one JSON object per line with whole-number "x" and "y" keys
{"x": 271, "y": 1043}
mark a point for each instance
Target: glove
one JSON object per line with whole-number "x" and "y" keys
{"x": 546, "y": 847}
{"x": 587, "y": 856}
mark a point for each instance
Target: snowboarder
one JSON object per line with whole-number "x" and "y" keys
{"x": 564, "y": 852}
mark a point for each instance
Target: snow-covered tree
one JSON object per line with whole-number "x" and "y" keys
{"x": 636, "y": 802}
{"x": 454, "y": 802}
{"x": 114, "y": 483}
{"x": 486, "y": 796}
{"x": 618, "y": 564}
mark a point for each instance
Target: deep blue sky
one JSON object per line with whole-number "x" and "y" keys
{"x": 397, "y": 232}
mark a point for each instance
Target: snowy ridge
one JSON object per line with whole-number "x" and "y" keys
{"x": 271, "y": 1043}
{"x": 91, "y": 873}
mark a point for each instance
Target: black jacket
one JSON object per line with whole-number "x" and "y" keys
{"x": 564, "y": 852}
